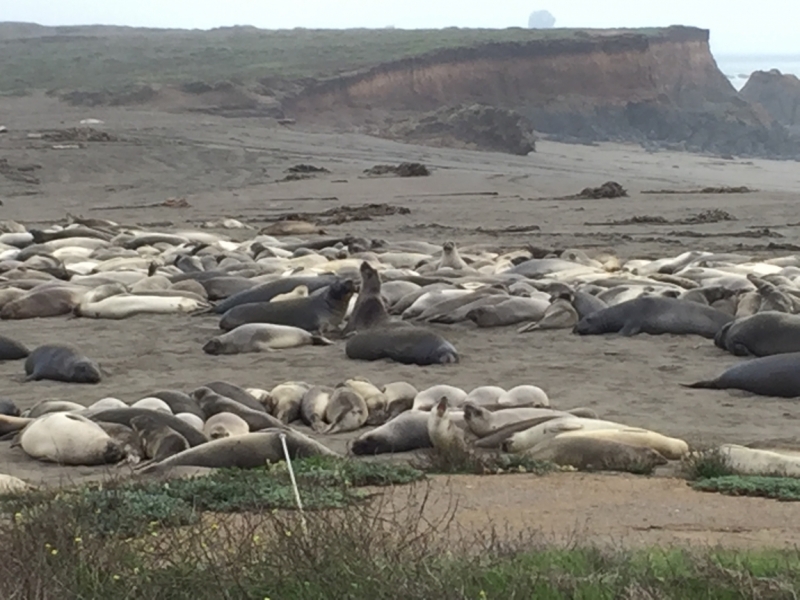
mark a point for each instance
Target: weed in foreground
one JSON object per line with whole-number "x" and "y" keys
{"x": 456, "y": 461}
{"x": 786, "y": 489}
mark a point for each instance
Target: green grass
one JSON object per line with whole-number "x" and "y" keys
{"x": 786, "y": 489}
{"x": 94, "y": 59}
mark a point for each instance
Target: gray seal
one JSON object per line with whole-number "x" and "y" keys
{"x": 178, "y": 402}
{"x": 370, "y": 309}
{"x": 267, "y": 291}
{"x": 124, "y": 416}
{"x": 158, "y": 441}
{"x": 324, "y": 309}
{"x": 777, "y": 375}
{"x": 249, "y": 451}
{"x": 212, "y": 403}
{"x": 405, "y": 344}
{"x": 11, "y": 349}
{"x": 762, "y": 334}
{"x": 9, "y": 408}
{"x": 407, "y": 431}
{"x": 234, "y": 392}
{"x": 654, "y": 315}
{"x": 61, "y": 362}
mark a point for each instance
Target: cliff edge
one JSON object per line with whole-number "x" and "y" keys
{"x": 658, "y": 88}
{"x": 778, "y": 94}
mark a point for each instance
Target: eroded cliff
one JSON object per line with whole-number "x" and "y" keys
{"x": 660, "y": 87}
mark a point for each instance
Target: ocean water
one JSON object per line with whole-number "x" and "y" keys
{"x": 738, "y": 67}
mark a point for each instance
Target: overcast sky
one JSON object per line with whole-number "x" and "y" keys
{"x": 763, "y": 27}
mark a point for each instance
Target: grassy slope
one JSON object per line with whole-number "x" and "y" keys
{"x": 96, "y": 58}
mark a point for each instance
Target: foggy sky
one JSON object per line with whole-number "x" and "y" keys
{"x": 764, "y": 27}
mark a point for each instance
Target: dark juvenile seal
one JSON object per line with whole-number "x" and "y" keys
{"x": 11, "y": 349}
{"x": 407, "y": 431}
{"x": 158, "y": 441}
{"x": 234, "y": 392}
{"x": 406, "y": 344}
{"x": 370, "y": 309}
{"x": 324, "y": 309}
{"x": 213, "y": 403}
{"x": 762, "y": 334}
{"x": 9, "y": 408}
{"x": 124, "y": 416}
{"x": 593, "y": 454}
{"x": 249, "y": 451}
{"x": 61, "y": 362}
{"x": 654, "y": 315}
{"x": 777, "y": 375}
{"x": 267, "y": 291}
{"x": 178, "y": 402}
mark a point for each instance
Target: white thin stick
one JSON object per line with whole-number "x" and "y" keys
{"x": 294, "y": 484}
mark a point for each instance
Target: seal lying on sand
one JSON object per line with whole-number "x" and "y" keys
{"x": 762, "y": 334}
{"x": 654, "y": 315}
{"x": 158, "y": 441}
{"x": 406, "y": 344}
{"x": 407, "y": 431}
{"x": 321, "y": 311}
{"x": 248, "y": 451}
{"x": 596, "y": 454}
{"x": 777, "y": 375}
{"x": 125, "y": 416}
{"x": 69, "y": 439}
{"x": 11, "y": 349}
{"x": 262, "y": 337}
{"x": 61, "y": 362}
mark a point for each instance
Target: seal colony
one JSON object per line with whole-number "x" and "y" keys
{"x": 371, "y": 300}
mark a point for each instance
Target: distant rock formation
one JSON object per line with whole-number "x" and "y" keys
{"x": 777, "y": 93}
{"x": 541, "y": 19}
{"x": 476, "y": 126}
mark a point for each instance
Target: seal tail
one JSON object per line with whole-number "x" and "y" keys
{"x": 711, "y": 384}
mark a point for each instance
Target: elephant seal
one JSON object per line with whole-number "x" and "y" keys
{"x": 123, "y": 306}
{"x": 561, "y": 314}
{"x": 225, "y": 424}
{"x": 124, "y": 416}
{"x": 483, "y": 422}
{"x": 427, "y": 398}
{"x": 399, "y": 397}
{"x": 370, "y": 309}
{"x": 191, "y": 419}
{"x": 772, "y": 298}
{"x": 374, "y": 398}
{"x": 753, "y": 461}
{"x": 178, "y": 402}
{"x": 654, "y": 315}
{"x": 234, "y": 392}
{"x": 485, "y": 394}
{"x": 451, "y": 259}
{"x": 405, "y": 344}
{"x": 314, "y": 405}
{"x": 156, "y": 404}
{"x": 285, "y": 400}
{"x": 50, "y": 301}
{"x": 158, "y": 441}
{"x": 69, "y": 439}
{"x": 669, "y": 448}
{"x": 212, "y": 403}
{"x": 105, "y": 404}
{"x": 9, "y": 408}
{"x": 12, "y": 485}
{"x": 525, "y": 395}
{"x": 346, "y": 411}
{"x": 527, "y": 439}
{"x": 322, "y": 311}
{"x": 509, "y": 311}
{"x": 61, "y": 362}
{"x": 445, "y": 435}
{"x": 11, "y": 349}
{"x": 265, "y": 292}
{"x": 596, "y": 454}
{"x": 262, "y": 337}
{"x": 407, "y": 431}
{"x": 301, "y": 291}
{"x": 776, "y": 375}
{"x": 249, "y": 451}
{"x": 50, "y": 406}
{"x": 762, "y": 334}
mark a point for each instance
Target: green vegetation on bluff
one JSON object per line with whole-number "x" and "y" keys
{"x": 108, "y": 58}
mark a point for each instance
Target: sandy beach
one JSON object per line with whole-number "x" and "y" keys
{"x": 227, "y": 167}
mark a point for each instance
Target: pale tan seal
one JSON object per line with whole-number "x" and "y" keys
{"x": 399, "y": 397}
{"x": 445, "y": 435}
{"x": 225, "y": 424}
{"x": 483, "y": 422}
{"x": 669, "y": 448}
{"x": 69, "y": 439}
{"x": 525, "y": 395}
{"x": 525, "y": 440}
{"x": 346, "y": 411}
{"x": 13, "y": 485}
{"x": 596, "y": 454}
{"x": 314, "y": 405}
{"x": 374, "y": 398}
{"x": 285, "y": 400}
{"x": 427, "y": 398}
{"x": 51, "y": 406}
{"x": 301, "y": 291}
{"x": 561, "y": 314}
{"x": 152, "y": 403}
{"x": 262, "y": 337}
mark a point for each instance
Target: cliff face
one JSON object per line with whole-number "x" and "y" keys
{"x": 663, "y": 87}
{"x": 777, "y": 93}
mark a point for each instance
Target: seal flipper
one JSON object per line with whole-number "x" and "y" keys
{"x": 739, "y": 349}
{"x": 711, "y": 384}
{"x": 630, "y": 328}
{"x": 321, "y": 340}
